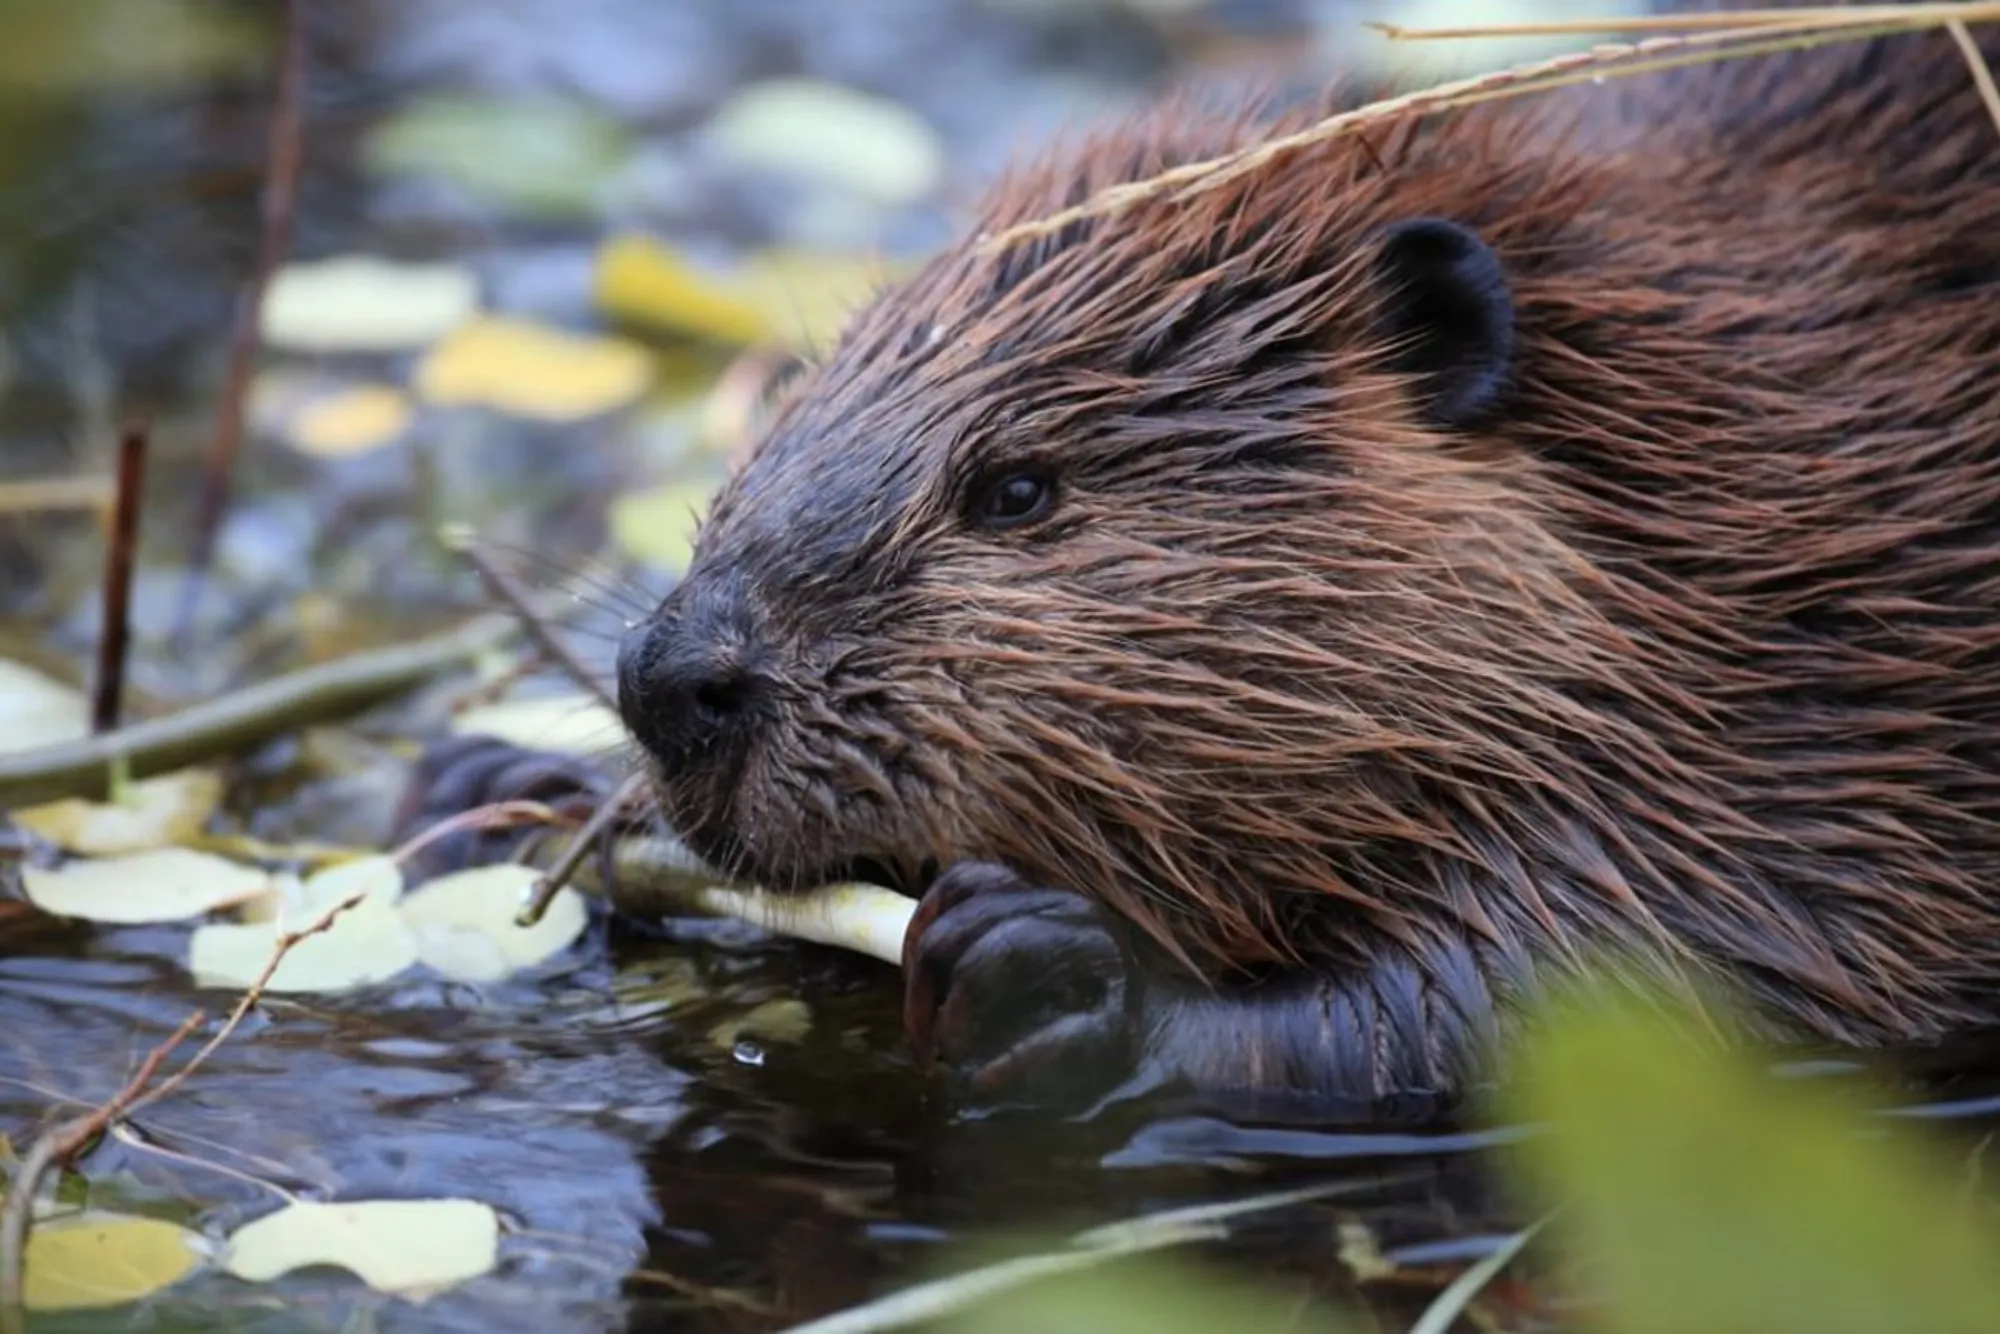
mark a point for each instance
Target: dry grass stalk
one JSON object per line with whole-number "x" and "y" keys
{"x": 1777, "y": 31}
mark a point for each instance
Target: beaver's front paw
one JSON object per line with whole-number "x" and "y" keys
{"x": 1020, "y": 992}
{"x": 465, "y": 773}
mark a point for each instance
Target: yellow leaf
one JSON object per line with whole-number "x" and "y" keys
{"x": 152, "y": 813}
{"x": 658, "y": 525}
{"x": 533, "y": 370}
{"x": 809, "y": 295}
{"x": 158, "y": 885}
{"x": 411, "y": 1248}
{"x": 380, "y": 877}
{"x": 465, "y": 928}
{"x": 350, "y": 421}
{"x": 368, "y": 943}
{"x": 638, "y": 279}
{"x": 94, "y": 1259}
{"x": 797, "y": 297}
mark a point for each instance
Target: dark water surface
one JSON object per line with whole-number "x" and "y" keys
{"x": 674, "y": 1141}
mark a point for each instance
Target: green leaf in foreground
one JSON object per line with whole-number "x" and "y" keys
{"x": 1706, "y": 1195}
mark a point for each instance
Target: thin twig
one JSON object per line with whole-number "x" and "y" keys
{"x": 114, "y": 632}
{"x": 57, "y": 1145}
{"x": 62, "y": 1142}
{"x": 564, "y": 867}
{"x": 280, "y": 197}
{"x": 1650, "y": 56}
{"x": 243, "y": 718}
{"x": 1445, "y": 1309}
{"x": 506, "y": 590}
{"x": 1965, "y": 10}
{"x": 495, "y": 815}
{"x": 1982, "y": 76}
{"x": 1092, "y": 1248}
{"x": 286, "y": 942}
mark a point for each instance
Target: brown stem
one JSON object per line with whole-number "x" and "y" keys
{"x": 115, "y": 633}
{"x": 63, "y": 1141}
{"x": 247, "y": 717}
{"x": 57, "y": 1145}
{"x": 281, "y": 181}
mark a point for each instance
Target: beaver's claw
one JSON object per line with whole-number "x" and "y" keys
{"x": 467, "y": 772}
{"x": 1020, "y": 993}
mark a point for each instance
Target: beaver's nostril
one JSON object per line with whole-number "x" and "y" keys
{"x": 682, "y": 689}
{"x": 724, "y": 694}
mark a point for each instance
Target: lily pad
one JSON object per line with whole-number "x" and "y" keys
{"x": 157, "y": 885}
{"x": 360, "y": 303}
{"x": 151, "y": 813}
{"x": 833, "y": 133}
{"x": 413, "y": 1249}
{"x": 798, "y": 297}
{"x": 658, "y": 525}
{"x": 575, "y": 724}
{"x": 465, "y": 928}
{"x": 95, "y": 1259}
{"x": 533, "y": 370}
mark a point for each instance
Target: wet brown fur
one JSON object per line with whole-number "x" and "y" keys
{"x": 1693, "y": 651}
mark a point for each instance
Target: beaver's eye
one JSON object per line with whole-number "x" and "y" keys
{"x": 1013, "y": 499}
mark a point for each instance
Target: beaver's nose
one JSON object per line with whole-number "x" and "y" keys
{"x": 686, "y": 684}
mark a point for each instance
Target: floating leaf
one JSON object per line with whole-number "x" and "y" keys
{"x": 573, "y": 724}
{"x": 368, "y": 943}
{"x": 158, "y": 885}
{"x": 358, "y": 303}
{"x": 833, "y": 133}
{"x": 783, "y": 1020}
{"x": 410, "y": 1248}
{"x": 151, "y": 813}
{"x": 350, "y": 421}
{"x": 380, "y": 877}
{"x": 797, "y": 297}
{"x": 1708, "y": 1195}
{"x": 657, "y": 525}
{"x": 532, "y": 370}
{"x": 94, "y": 1259}
{"x": 38, "y": 710}
{"x": 541, "y": 156}
{"x": 465, "y": 928}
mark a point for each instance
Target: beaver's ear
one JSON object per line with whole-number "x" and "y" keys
{"x": 1450, "y": 315}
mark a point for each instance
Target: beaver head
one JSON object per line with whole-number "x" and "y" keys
{"x": 1168, "y": 557}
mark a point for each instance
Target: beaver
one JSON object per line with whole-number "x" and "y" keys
{"x": 1278, "y": 628}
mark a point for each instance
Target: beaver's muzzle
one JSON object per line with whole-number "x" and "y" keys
{"x": 688, "y": 688}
